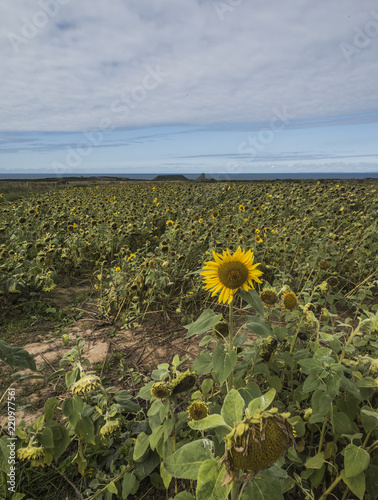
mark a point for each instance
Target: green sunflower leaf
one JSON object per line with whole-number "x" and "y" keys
{"x": 265, "y": 486}
{"x": 258, "y": 326}
{"x": 187, "y": 460}
{"x": 356, "y": 460}
{"x": 223, "y": 362}
{"x": 356, "y": 484}
{"x": 204, "y": 323}
{"x": 15, "y": 356}
{"x": 209, "y": 422}
{"x": 253, "y": 300}
{"x": 233, "y": 407}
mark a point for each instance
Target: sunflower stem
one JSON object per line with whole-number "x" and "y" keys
{"x": 322, "y": 434}
{"x": 295, "y": 338}
{"x": 242, "y": 490}
{"x": 230, "y": 378}
{"x": 174, "y": 440}
{"x": 351, "y": 337}
{"x": 235, "y": 490}
{"x": 333, "y": 485}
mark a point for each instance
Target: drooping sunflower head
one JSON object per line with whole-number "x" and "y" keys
{"x": 256, "y": 443}
{"x": 161, "y": 390}
{"x": 323, "y": 264}
{"x": 230, "y": 273}
{"x": 221, "y": 329}
{"x": 307, "y": 414}
{"x": 110, "y": 427}
{"x": 184, "y": 382}
{"x": 198, "y": 410}
{"x": 309, "y": 307}
{"x": 269, "y": 296}
{"x": 290, "y": 301}
{"x": 324, "y": 313}
{"x": 324, "y": 286}
{"x": 332, "y": 281}
{"x": 269, "y": 345}
{"x": 310, "y": 319}
{"x": 86, "y": 384}
{"x": 31, "y": 452}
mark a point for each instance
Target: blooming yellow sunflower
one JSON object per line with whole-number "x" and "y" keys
{"x": 229, "y": 273}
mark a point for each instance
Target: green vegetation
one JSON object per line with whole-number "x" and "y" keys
{"x": 294, "y": 359}
{"x": 139, "y": 242}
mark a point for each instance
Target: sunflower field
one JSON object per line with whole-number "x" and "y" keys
{"x": 278, "y": 283}
{"x": 138, "y": 243}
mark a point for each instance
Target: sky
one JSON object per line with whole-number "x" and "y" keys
{"x": 189, "y": 86}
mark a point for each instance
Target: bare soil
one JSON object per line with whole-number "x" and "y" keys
{"x": 124, "y": 357}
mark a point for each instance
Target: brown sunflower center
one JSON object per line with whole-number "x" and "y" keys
{"x": 233, "y": 274}
{"x": 290, "y": 301}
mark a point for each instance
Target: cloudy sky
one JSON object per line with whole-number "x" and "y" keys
{"x": 228, "y": 86}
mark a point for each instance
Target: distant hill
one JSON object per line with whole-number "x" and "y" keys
{"x": 172, "y": 177}
{"x": 202, "y": 178}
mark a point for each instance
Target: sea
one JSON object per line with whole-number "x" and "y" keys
{"x": 216, "y": 176}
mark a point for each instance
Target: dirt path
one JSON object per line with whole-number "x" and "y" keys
{"x": 124, "y": 358}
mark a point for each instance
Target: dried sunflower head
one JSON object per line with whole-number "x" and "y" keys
{"x": 184, "y": 382}
{"x": 256, "y": 443}
{"x": 290, "y": 301}
{"x": 269, "y": 296}
{"x": 332, "y": 281}
{"x": 198, "y": 410}
{"x": 323, "y": 264}
{"x": 161, "y": 390}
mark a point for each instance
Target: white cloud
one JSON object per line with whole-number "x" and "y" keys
{"x": 90, "y": 54}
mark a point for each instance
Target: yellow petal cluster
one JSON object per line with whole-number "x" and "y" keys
{"x": 229, "y": 273}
